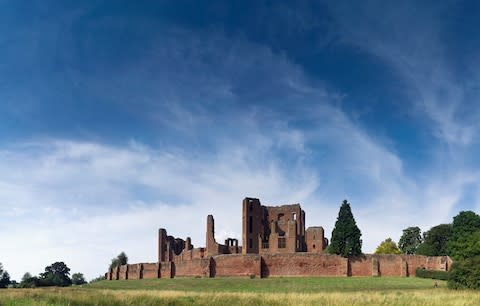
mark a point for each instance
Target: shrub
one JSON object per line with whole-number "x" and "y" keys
{"x": 98, "y": 279}
{"x": 465, "y": 274}
{"x": 423, "y": 273}
{"x": 78, "y": 279}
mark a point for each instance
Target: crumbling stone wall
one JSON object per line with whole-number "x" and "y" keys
{"x": 192, "y": 268}
{"x": 123, "y": 272}
{"x": 440, "y": 263}
{"x": 236, "y": 265}
{"x": 275, "y": 243}
{"x": 391, "y": 265}
{"x": 292, "y": 264}
{"x": 253, "y": 225}
{"x": 303, "y": 264}
{"x": 135, "y": 271}
{"x": 276, "y": 229}
{"x": 363, "y": 265}
{"x": 151, "y": 270}
{"x": 213, "y": 248}
{"x": 315, "y": 239}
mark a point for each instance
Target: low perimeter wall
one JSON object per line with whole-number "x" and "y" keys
{"x": 304, "y": 264}
{"x": 293, "y": 264}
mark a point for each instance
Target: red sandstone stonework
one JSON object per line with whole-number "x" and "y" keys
{"x": 236, "y": 265}
{"x": 275, "y": 244}
{"x": 295, "y": 264}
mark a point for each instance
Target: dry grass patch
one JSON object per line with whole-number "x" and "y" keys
{"x": 79, "y": 296}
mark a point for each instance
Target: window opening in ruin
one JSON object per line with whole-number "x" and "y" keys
{"x": 251, "y": 206}
{"x": 314, "y": 246}
{"x": 250, "y": 225}
{"x": 294, "y": 216}
{"x": 250, "y": 243}
{"x": 280, "y": 217}
{"x": 282, "y": 243}
{"x": 265, "y": 245}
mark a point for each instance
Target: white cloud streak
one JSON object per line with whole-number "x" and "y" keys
{"x": 410, "y": 40}
{"x": 84, "y": 202}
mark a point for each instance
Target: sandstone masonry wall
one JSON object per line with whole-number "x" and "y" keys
{"x": 150, "y": 270}
{"x": 192, "y": 268}
{"x": 363, "y": 266}
{"x": 236, "y": 265}
{"x": 284, "y": 264}
{"x": 303, "y": 264}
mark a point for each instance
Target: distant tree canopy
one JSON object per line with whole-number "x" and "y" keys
{"x": 78, "y": 279}
{"x": 57, "y": 274}
{"x": 464, "y": 241}
{"x": 4, "y": 277}
{"x": 26, "y": 276}
{"x": 120, "y": 260}
{"x": 388, "y": 246}
{"x": 410, "y": 240}
{"x": 435, "y": 241}
{"x": 346, "y": 235}
{"x": 97, "y": 279}
{"x": 29, "y": 281}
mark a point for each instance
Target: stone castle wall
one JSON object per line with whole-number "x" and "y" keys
{"x": 275, "y": 243}
{"x": 304, "y": 264}
{"x": 274, "y": 265}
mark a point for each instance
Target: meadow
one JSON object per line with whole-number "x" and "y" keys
{"x": 242, "y": 291}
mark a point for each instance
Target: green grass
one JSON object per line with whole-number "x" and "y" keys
{"x": 242, "y": 291}
{"x": 271, "y": 285}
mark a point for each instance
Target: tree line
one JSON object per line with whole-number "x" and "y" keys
{"x": 56, "y": 274}
{"x": 460, "y": 240}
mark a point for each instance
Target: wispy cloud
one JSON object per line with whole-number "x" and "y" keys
{"x": 84, "y": 202}
{"x": 413, "y": 40}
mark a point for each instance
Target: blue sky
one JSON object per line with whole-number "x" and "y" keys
{"x": 120, "y": 117}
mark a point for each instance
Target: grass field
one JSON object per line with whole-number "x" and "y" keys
{"x": 238, "y": 291}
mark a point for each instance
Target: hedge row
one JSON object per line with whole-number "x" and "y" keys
{"x": 443, "y": 275}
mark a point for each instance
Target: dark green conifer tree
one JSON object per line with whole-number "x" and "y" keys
{"x": 346, "y": 235}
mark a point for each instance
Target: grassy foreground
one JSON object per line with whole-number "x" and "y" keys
{"x": 235, "y": 291}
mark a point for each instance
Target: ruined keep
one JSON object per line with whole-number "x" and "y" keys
{"x": 274, "y": 243}
{"x": 278, "y": 229}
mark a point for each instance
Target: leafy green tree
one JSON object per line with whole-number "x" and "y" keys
{"x": 410, "y": 240}
{"x": 57, "y": 274}
{"x": 435, "y": 241}
{"x": 4, "y": 277}
{"x": 388, "y": 246}
{"x": 29, "y": 281}
{"x": 78, "y": 279}
{"x": 5, "y": 280}
{"x": 465, "y": 274}
{"x": 120, "y": 260}
{"x": 26, "y": 276}
{"x": 346, "y": 235}
{"x": 465, "y": 231}
{"x": 467, "y": 247}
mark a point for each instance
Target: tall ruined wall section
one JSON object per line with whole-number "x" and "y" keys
{"x": 273, "y": 265}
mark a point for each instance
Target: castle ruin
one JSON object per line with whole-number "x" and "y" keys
{"x": 274, "y": 243}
